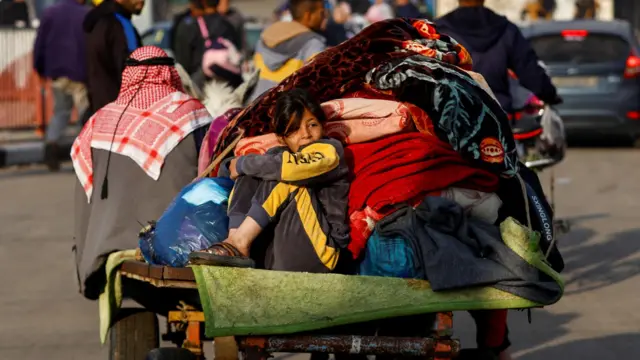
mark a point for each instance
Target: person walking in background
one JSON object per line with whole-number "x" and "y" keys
{"x": 497, "y": 45}
{"x": 110, "y": 37}
{"x": 59, "y": 55}
{"x": 285, "y": 46}
{"x": 199, "y": 34}
{"x": 354, "y": 22}
{"x": 334, "y": 30}
{"x": 235, "y": 18}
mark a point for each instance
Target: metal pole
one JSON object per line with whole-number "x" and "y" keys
{"x": 347, "y": 344}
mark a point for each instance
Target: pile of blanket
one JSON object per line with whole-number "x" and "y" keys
{"x": 428, "y": 147}
{"x": 414, "y": 120}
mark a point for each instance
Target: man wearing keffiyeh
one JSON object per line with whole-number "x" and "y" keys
{"x": 131, "y": 159}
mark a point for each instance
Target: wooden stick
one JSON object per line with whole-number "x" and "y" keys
{"x": 222, "y": 155}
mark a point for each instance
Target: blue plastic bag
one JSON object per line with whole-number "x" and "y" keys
{"x": 195, "y": 220}
{"x": 388, "y": 257}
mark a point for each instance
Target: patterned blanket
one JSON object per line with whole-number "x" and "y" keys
{"x": 350, "y": 120}
{"x": 407, "y": 61}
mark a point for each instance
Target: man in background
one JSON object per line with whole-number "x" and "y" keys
{"x": 198, "y": 35}
{"x": 59, "y": 55}
{"x": 110, "y": 37}
{"x": 285, "y": 46}
{"x": 496, "y": 45}
{"x": 235, "y": 18}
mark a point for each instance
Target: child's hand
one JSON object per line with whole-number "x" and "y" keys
{"x": 232, "y": 169}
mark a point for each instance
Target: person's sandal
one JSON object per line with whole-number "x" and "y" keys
{"x": 221, "y": 254}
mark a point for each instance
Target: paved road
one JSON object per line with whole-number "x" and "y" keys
{"x": 43, "y": 317}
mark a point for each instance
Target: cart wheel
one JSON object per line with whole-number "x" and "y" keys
{"x": 133, "y": 335}
{"x": 171, "y": 354}
{"x": 225, "y": 348}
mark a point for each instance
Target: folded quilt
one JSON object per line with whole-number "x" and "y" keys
{"x": 357, "y": 120}
{"x": 403, "y": 168}
{"x": 350, "y": 120}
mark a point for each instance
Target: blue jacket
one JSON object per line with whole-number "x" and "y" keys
{"x": 59, "y": 50}
{"x": 497, "y": 45}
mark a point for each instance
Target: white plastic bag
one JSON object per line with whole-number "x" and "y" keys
{"x": 552, "y": 141}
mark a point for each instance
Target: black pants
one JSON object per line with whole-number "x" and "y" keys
{"x": 295, "y": 233}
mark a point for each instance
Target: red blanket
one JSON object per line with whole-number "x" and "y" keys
{"x": 400, "y": 168}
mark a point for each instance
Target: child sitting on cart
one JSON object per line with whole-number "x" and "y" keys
{"x": 288, "y": 208}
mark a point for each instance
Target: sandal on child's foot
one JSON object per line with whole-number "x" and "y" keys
{"x": 221, "y": 254}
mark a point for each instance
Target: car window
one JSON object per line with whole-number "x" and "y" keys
{"x": 580, "y": 47}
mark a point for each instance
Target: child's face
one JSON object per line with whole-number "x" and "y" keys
{"x": 310, "y": 130}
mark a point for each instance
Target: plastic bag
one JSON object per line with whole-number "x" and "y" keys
{"x": 553, "y": 138}
{"x": 388, "y": 257}
{"x": 195, "y": 220}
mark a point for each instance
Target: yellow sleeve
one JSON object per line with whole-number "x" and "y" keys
{"x": 314, "y": 160}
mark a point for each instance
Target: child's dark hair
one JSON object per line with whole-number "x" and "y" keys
{"x": 289, "y": 109}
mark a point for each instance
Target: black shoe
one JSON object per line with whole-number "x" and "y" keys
{"x": 51, "y": 157}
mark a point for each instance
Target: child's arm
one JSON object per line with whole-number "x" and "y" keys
{"x": 320, "y": 162}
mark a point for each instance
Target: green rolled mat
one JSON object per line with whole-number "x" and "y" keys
{"x": 240, "y": 301}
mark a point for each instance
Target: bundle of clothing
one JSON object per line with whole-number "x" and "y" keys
{"x": 417, "y": 124}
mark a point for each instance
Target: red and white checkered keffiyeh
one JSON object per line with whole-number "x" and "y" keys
{"x": 154, "y": 123}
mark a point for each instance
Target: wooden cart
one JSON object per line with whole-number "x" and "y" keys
{"x": 158, "y": 288}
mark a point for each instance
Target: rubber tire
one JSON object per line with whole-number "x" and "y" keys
{"x": 226, "y": 348}
{"x": 170, "y": 354}
{"x": 133, "y": 335}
